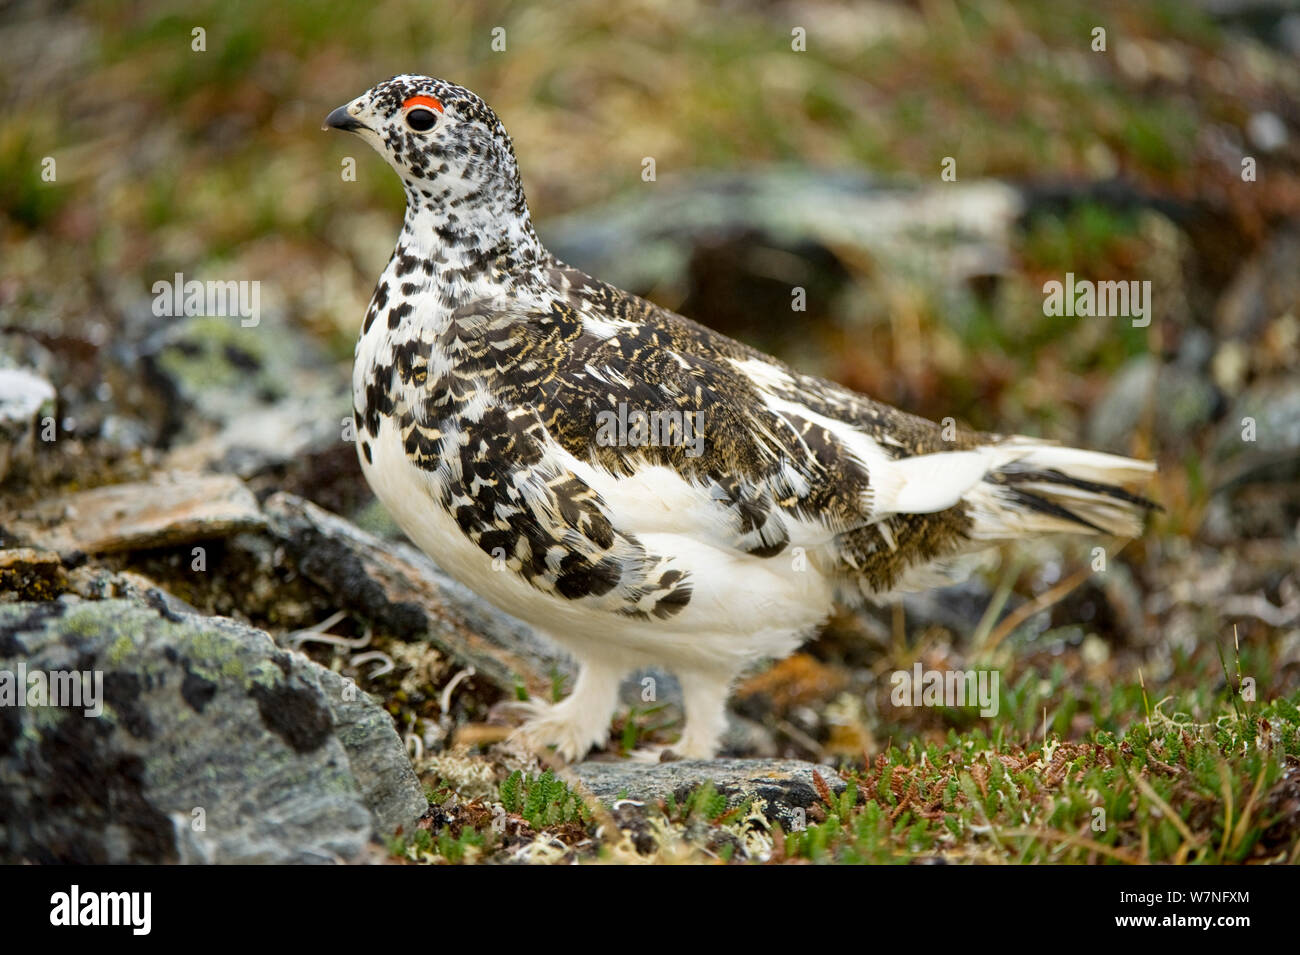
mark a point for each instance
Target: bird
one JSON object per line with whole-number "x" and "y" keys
{"x": 643, "y": 490}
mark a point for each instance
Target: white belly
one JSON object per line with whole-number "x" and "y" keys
{"x": 742, "y": 608}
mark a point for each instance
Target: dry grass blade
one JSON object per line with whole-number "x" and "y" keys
{"x": 1189, "y": 840}
{"x": 1053, "y": 835}
{"x": 1239, "y": 832}
{"x": 1040, "y": 603}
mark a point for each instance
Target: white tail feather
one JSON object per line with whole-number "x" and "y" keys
{"x": 927, "y": 483}
{"x": 1086, "y": 465}
{"x": 1003, "y": 513}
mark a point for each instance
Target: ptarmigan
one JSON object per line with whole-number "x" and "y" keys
{"x": 638, "y": 487}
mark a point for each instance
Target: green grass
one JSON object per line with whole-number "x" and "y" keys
{"x": 1159, "y": 790}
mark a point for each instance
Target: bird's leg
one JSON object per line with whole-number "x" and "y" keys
{"x": 704, "y": 695}
{"x": 580, "y": 720}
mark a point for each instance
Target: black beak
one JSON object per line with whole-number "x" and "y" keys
{"x": 342, "y": 119}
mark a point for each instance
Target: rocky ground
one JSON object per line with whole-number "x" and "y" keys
{"x": 286, "y": 679}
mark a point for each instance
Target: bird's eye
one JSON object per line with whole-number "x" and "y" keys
{"x": 421, "y": 120}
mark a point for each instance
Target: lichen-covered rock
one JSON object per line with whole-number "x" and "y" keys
{"x": 212, "y": 744}
{"x": 239, "y": 399}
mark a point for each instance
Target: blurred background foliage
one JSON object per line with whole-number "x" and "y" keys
{"x": 170, "y": 158}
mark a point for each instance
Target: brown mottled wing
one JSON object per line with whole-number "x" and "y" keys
{"x": 763, "y": 469}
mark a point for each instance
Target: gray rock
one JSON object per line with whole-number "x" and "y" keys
{"x": 203, "y": 719}
{"x": 784, "y": 784}
{"x": 240, "y": 399}
{"x": 1256, "y": 454}
{"x": 958, "y": 607}
{"x": 268, "y": 436}
{"x": 645, "y": 239}
{"x": 1274, "y": 407}
{"x": 91, "y": 581}
{"x": 1270, "y": 21}
{"x": 1265, "y": 286}
{"x": 1183, "y": 399}
{"x": 25, "y": 398}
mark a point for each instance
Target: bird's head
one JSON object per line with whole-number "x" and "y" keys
{"x": 445, "y": 142}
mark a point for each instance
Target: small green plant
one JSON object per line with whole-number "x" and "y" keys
{"x": 630, "y": 732}
{"x": 542, "y": 800}
{"x": 455, "y": 848}
{"x": 426, "y": 846}
{"x": 640, "y": 724}
{"x": 414, "y": 845}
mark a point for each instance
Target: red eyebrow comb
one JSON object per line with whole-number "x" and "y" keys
{"x": 422, "y": 101}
